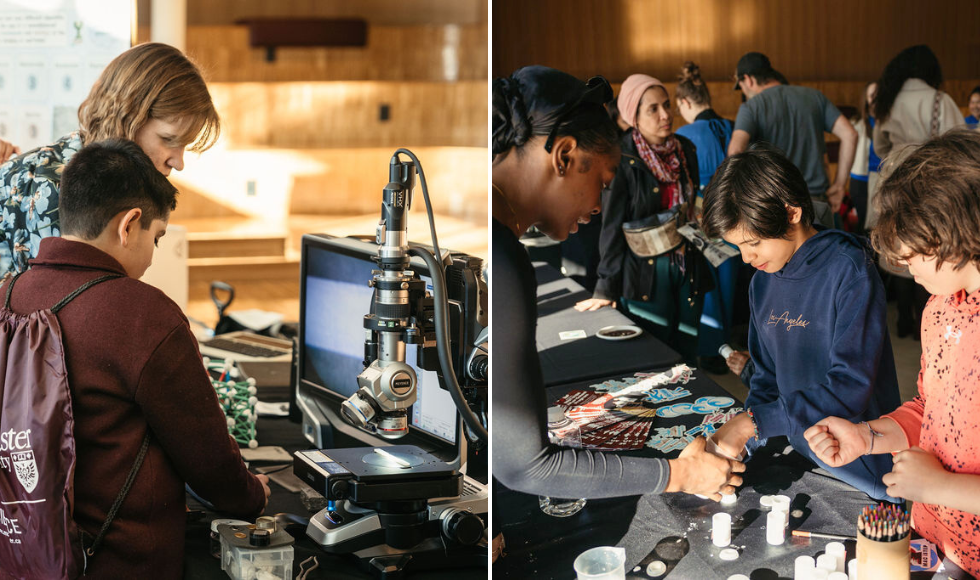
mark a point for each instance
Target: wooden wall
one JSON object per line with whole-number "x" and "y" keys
{"x": 437, "y": 53}
{"x": 302, "y": 134}
{"x": 273, "y": 183}
{"x": 346, "y": 114}
{"x": 830, "y": 40}
{"x": 396, "y": 12}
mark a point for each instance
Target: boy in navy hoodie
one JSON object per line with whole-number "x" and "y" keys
{"x": 817, "y": 331}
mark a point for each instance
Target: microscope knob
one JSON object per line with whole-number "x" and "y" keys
{"x": 338, "y": 490}
{"x": 462, "y": 526}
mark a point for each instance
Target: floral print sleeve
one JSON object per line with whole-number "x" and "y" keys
{"x": 29, "y": 192}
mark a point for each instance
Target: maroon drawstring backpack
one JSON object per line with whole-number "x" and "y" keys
{"x": 38, "y": 537}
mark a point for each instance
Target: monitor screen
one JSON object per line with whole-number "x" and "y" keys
{"x": 335, "y": 297}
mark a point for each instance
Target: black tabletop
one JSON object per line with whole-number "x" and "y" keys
{"x": 564, "y": 359}
{"x": 675, "y": 528}
{"x": 199, "y": 564}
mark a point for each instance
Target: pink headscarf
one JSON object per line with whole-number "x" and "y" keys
{"x": 630, "y": 94}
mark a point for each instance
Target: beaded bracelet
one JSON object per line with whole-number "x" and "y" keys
{"x": 755, "y": 428}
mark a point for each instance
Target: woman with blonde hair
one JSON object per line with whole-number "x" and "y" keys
{"x": 151, "y": 94}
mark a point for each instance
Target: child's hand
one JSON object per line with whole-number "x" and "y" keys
{"x": 733, "y": 435}
{"x": 837, "y": 441}
{"x": 737, "y": 360}
{"x": 916, "y": 476}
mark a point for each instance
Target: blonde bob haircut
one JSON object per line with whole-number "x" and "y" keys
{"x": 150, "y": 81}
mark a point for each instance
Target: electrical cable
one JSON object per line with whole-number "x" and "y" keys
{"x": 440, "y": 305}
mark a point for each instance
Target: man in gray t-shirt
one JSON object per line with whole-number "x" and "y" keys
{"x": 793, "y": 118}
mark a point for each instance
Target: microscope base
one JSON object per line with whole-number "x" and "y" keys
{"x": 352, "y": 529}
{"x": 387, "y": 563}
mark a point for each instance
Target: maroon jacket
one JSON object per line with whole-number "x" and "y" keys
{"x": 134, "y": 365}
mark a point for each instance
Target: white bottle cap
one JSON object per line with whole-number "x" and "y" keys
{"x": 725, "y": 351}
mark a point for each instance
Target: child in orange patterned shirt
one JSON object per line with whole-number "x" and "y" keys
{"x": 930, "y": 221}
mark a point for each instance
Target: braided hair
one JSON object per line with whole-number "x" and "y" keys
{"x": 537, "y": 100}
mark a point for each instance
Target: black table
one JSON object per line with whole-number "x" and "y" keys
{"x": 564, "y": 361}
{"x": 675, "y": 528}
{"x": 199, "y": 564}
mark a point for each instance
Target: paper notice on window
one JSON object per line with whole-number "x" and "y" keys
{"x": 33, "y": 29}
{"x": 716, "y": 251}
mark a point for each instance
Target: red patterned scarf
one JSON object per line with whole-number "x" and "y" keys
{"x": 666, "y": 162}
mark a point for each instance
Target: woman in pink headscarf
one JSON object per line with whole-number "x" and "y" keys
{"x": 644, "y": 262}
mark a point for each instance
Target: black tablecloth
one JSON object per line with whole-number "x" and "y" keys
{"x": 199, "y": 564}
{"x": 564, "y": 361}
{"x": 675, "y": 528}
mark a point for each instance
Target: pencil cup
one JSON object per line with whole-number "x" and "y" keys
{"x": 882, "y": 559}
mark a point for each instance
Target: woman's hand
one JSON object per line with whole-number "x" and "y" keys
{"x": 703, "y": 473}
{"x": 593, "y": 304}
{"x": 7, "y": 150}
{"x": 837, "y": 441}
{"x": 733, "y": 435}
{"x": 916, "y": 476}
{"x": 737, "y": 361}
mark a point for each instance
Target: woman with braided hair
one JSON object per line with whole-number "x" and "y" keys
{"x": 554, "y": 151}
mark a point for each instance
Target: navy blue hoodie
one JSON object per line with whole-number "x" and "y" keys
{"x": 820, "y": 344}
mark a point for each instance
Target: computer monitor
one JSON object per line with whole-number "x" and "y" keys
{"x": 334, "y": 297}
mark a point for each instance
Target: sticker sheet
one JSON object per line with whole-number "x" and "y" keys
{"x": 619, "y": 415}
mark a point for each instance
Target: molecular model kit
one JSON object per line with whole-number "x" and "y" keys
{"x": 237, "y": 399}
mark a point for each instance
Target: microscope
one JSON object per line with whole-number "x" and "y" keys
{"x": 398, "y": 508}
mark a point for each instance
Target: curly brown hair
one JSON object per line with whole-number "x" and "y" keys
{"x": 930, "y": 203}
{"x": 150, "y": 81}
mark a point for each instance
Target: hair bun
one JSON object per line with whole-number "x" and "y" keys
{"x": 690, "y": 72}
{"x": 511, "y": 126}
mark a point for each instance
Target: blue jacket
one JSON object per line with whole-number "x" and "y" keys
{"x": 820, "y": 344}
{"x": 711, "y": 135}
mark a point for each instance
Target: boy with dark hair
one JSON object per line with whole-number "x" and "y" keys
{"x": 929, "y": 210}
{"x": 133, "y": 368}
{"x": 817, "y": 331}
